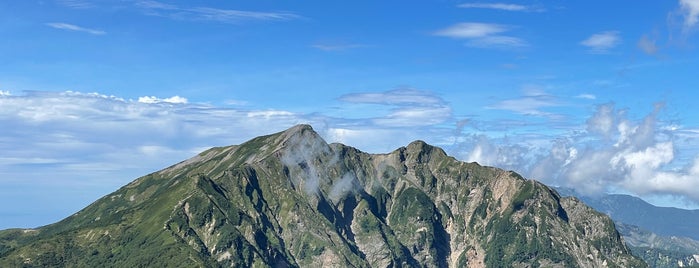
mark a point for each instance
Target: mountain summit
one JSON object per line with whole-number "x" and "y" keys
{"x": 292, "y": 200}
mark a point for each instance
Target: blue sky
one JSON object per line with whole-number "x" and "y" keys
{"x": 595, "y": 95}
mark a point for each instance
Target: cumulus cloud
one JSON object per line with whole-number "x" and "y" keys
{"x": 73, "y": 27}
{"x": 603, "y": 121}
{"x": 614, "y": 152}
{"x": 485, "y": 152}
{"x": 482, "y": 35}
{"x": 601, "y": 43}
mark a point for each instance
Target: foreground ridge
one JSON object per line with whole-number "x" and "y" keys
{"x": 291, "y": 200}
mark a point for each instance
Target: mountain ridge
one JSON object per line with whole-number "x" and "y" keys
{"x": 668, "y": 221}
{"x": 662, "y": 236}
{"x": 291, "y": 199}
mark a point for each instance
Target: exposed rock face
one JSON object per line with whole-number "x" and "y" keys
{"x": 291, "y": 200}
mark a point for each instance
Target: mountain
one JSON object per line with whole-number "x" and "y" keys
{"x": 292, "y": 200}
{"x": 634, "y": 211}
{"x": 660, "y": 251}
{"x": 661, "y": 236}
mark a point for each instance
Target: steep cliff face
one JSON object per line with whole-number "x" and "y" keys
{"x": 290, "y": 200}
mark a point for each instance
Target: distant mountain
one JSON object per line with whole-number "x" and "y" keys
{"x": 663, "y": 237}
{"x": 292, "y": 200}
{"x": 634, "y": 211}
{"x": 660, "y": 251}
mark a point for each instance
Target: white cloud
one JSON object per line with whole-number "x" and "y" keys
{"x": 500, "y": 6}
{"x": 586, "y": 96}
{"x": 497, "y": 42}
{"x": 603, "y": 120}
{"x": 601, "y": 43}
{"x": 4, "y": 93}
{"x": 531, "y": 103}
{"x": 485, "y": 152}
{"x": 375, "y": 139}
{"x": 95, "y": 128}
{"x": 471, "y": 30}
{"x": 691, "y": 12}
{"x": 482, "y": 35}
{"x": 415, "y": 116}
{"x": 72, "y": 27}
{"x": 612, "y": 152}
{"x": 269, "y": 114}
{"x": 411, "y": 107}
{"x": 172, "y": 100}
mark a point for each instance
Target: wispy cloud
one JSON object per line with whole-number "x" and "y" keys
{"x": 647, "y": 45}
{"x": 472, "y": 30}
{"x": 79, "y": 4}
{"x": 530, "y": 103}
{"x": 63, "y": 125}
{"x": 690, "y": 9}
{"x": 337, "y": 46}
{"x": 395, "y": 97}
{"x": 178, "y": 12}
{"x": 411, "y": 107}
{"x": 497, "y": 41}
{"x": 72, "y": 27}
{"x": 482, "y": 35}
{"x": 155, "y": 8}
{"x": 500, "y": 6}
{"x": 601, "y": 43}
{"x": 586, "y": 96}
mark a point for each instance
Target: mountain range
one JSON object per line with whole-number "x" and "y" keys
{"x": 663, "y": 236}
{"x": 291, "y": 200}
